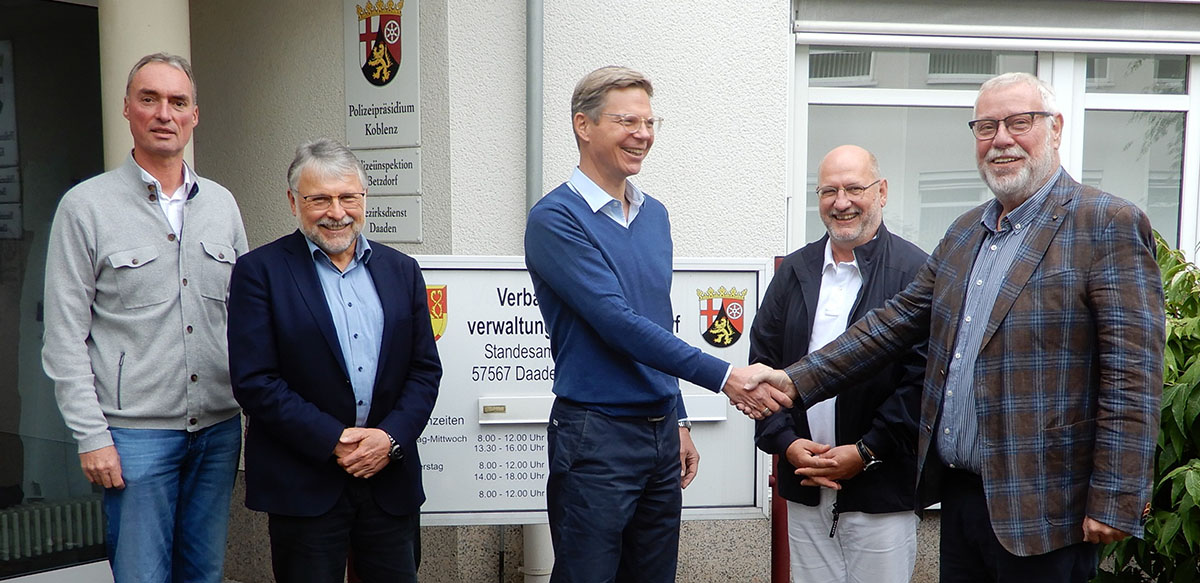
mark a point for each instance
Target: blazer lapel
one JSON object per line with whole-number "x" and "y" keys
{"x": 308, "y": 287}
{"x": 811, "y": 286}
{"x": 1049, "y": 220}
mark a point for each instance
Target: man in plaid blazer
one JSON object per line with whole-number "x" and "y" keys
{"x": 1045, "y": 319}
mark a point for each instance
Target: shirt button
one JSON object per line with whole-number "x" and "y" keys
{"x": 220, "y": 255}
{"x": 193, "y": 421}
{"x": 994, "y": 247}
{"x": 171, "y": 237}
{"x": 356, "y": 336}
{"x": 360, "y": 403}
{"x": 952, "y": 466}
{"x": 949, "y": 393}
{"x": 968, "y": 319}
{"x": 152, "y": 197}
{"x": 1017, "y": 226}
{"x": 135, "y": 261}
{"x": 957, "y": 355}
{"x": 360, "y": 369}
{"x": 946, "y": 431}
{"x": 195, "y": 378}
{"x": 185, "y": 282}
{"x": 349, "y": 304}
{"x": 189, "y": 329}
{"x": 979, "y": 282}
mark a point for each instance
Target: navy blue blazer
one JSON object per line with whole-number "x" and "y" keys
{"x": 289, "y": 375}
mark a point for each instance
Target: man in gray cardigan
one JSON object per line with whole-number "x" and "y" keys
{"x": 137, "y": 275}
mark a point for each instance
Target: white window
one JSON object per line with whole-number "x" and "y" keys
{"x": 1126, "y": 129}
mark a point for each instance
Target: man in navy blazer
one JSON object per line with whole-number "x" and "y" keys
{"x": 332, "y": 357}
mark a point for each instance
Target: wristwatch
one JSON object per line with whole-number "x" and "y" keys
{"x": 686, "y": 424}
{"x": 395, "y": 453}
{"x": 869, "y": 460}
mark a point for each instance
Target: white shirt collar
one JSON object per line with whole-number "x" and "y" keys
{"x": 831, "y": 262}
{"x": 189, "y": 178}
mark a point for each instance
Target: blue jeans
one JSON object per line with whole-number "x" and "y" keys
{"x": 168, "y": 524}
{"x": 613, "y": 496}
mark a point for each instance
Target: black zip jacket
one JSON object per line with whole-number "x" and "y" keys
{"x": 882, "y": 411}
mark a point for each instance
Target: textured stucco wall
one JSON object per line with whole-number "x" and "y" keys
{"x": 270, "y": 76}
{"x": 720, "y": 74}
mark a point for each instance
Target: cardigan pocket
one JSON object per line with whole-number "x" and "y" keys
{"x": 217, "y": 267}
{"x": 141, "y": 280}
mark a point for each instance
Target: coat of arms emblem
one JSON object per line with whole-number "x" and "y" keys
{"x": 379, "y": 40}
{"x": 435, "y": 296}
{"x": 721, "y": 313}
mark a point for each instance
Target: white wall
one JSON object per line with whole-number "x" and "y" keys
{"x": 270, "y": 76}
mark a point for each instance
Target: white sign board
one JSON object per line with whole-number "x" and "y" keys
{"x": 10, "y": 184}
{"x": 393, "y": 219}
{"x": 484, "y": 451}
{"x": 382, "y": 73}
{"x": 392, "y": 171}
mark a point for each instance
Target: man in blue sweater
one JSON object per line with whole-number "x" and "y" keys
{"x": 599, "y": 253}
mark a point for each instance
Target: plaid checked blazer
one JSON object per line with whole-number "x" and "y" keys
{"x": 1069, "y": 375}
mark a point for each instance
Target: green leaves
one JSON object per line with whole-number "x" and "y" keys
{"x": 1170, "y": 551}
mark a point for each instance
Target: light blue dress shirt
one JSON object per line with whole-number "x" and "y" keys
{"x": 357, "y": 316}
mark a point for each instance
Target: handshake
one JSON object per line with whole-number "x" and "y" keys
{"x": 759, "y": 390}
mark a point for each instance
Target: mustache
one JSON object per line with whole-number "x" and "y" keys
{"x": 1013, "y": 150}
{"x": 328, "y": 222}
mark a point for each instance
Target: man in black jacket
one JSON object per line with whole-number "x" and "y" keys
{"x": 860, "y": 446}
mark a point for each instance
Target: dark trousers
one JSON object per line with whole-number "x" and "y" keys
{"x": 313, "y": 549}
{"x": 971, "y": 553}
{"x": 613, "y": 496}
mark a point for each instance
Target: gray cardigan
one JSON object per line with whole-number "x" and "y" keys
{"x": 135, "y": 316}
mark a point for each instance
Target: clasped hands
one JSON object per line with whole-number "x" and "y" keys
{"x": 362, "y": 451}
{"x": 759, "y": 390}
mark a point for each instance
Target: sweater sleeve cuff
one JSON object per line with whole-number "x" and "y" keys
{"x": 95, "y": 442}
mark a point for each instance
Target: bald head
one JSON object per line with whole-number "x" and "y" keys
{"x": 849, "y": 154}
{"x": 851, "y": 195}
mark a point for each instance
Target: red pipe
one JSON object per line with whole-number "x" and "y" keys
{"x": 781, "y": 566}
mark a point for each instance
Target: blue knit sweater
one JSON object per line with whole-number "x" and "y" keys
{"x": 604, "y": 292}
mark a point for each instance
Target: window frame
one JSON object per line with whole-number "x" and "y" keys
{"x": 1061, "y": 62}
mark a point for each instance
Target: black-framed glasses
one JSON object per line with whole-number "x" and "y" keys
{"x": 1017, "y": 124}
{"x": 322, "y": 202}
{"x": 632, "y": 123}
{"x": 852, "y": 191}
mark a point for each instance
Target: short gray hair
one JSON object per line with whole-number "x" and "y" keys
{"x": 592, "y": 91}
{"x": 326, "y": 156}
{"x": 1049, "y": 104}
{"x": 167, "y": 59}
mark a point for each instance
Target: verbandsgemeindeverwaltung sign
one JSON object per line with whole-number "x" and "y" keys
{"x": 382, "y": 73}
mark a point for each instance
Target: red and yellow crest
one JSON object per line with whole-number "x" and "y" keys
{"x": 379, "y": 39}
{"x": 721, "y": 314}
{"x": 435, "y": 296}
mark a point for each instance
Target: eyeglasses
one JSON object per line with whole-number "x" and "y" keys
{"x": 1017, "y": 124}
{"x": 853, "y": 191}
{"x": 322, "y": 202}
{"x": 633, "y": 123}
